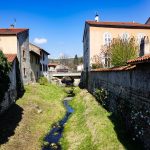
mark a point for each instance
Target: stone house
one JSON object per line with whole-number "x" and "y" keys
{"x": 41, "y": 58}
{"x": 98, "y": 34}
{"x": 35, "y": 62}
{"x": 16, "y": 41}
{"x": 44, "y": 63}
{"x": 52, "y": 67}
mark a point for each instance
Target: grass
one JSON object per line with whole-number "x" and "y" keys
{"x": 40, "y": 107}
{"x": 89, "y": 128}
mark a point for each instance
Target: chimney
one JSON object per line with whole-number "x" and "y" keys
{"x": 12, "y": 26}
{"x": 97, "y": 17}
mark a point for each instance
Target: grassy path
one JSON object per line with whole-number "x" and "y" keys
{"x": 89, "y": 128}
{"x": 30, "y": 119}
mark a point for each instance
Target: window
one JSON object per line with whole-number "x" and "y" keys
{"x": 40, "y": 67}
{"x": 125, "y": 36}
{"x": 43, "y": 67}
{"x": 107, "y": 38}
{"x": 43, "y": 57}
{"x": 46, "y": 67}
{"x": 37, "y": 60}
{"x": 107, "y": 60}
{"x": 140, "y": 37}
{"x": 31, "y": 58}
{"x": 23, "y": 53}
{"x": 24, "y": 72}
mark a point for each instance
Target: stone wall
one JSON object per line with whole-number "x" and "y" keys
{"x": 11, "y": 94}
{"x": 129, "y": 96}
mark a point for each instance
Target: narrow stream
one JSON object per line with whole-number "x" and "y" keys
{"x": 53, "y": 137}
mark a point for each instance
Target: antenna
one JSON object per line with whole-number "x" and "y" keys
{"x": 15, "y": 21}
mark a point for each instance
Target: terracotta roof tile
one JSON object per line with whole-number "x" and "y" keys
{"x": 121, "y": 24}
{"x": 52, "y": 64}
{"x": 142, "y": 59}
{"x": 10, "y": 57}
{"x": 12, "y": 31}
{"x": 41, "y": 49}
{"x": 122, "y": 68}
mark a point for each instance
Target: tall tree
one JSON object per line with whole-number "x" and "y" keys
{"x": 76, "y": 60}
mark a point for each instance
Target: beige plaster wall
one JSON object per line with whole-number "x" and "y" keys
{"x": 8, "y": 44}
{"x": 97, "y": 40}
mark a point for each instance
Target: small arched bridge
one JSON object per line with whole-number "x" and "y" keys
{"x": 76, "y": 76}
{"x": 67, "y": 74}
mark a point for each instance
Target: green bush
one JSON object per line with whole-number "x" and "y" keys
{"x": 100, "y": 95}
{"x": 122, "y": 50}
{"x": 97, "y": 66}
{"x": 43, "y": 80}
{"x": 4, "y": 78}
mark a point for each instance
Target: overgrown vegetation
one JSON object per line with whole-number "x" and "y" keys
{"x": 117, "y": 53}
{"x": 43, "y": 80}
{"x": 121, "y": 50}
{"x": 90, "y": 127}
{"x": 41, "y": 106}
{"x": 97, "y": 62}
{"x": 101, "y": 95}
{"x": 4, "y": 78}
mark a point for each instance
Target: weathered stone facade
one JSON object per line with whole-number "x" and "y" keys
{"x": 129, "y": 96}
{"x": 24, "y": 56}
{"x": 16, "y": 41}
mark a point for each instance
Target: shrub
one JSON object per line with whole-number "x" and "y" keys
{"x": 122, "y": 50}
{"x": 100, "y": 95}
{"x": 97, "y": 66}
{"x": 43, "y": 80}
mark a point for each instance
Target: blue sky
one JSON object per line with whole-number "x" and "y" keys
{"x": 59, "y": 24}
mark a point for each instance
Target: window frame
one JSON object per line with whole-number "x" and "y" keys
{"x": 107, "y": 38}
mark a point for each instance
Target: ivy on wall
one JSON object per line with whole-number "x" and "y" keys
{"x": 4, "y": 78}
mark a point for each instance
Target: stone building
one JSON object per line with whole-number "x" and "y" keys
{"x": 40, "y": 65}
{"x": 16, "y": 41}
{"x": 35, "y": 62}
{"x": 52, "y": 67}
{"x": 99, "y": 34}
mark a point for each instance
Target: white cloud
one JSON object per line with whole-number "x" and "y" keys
{"x": 40, "y": 40}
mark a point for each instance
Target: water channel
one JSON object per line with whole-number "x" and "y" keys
{"x": 53, "y": 137}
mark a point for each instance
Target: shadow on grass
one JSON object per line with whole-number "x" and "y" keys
{"x": 123, "y": 135}
{"x": 9, "y": 121}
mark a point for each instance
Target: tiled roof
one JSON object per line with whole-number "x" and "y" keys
{"x": 142, "y": 59}
{"x": 118, "y": 24}
{"x": 12, "y": 31}
{"x": 52, "y": 64}
{"x": 122, "y": 68}
{"x": 37, "y": 47}
{"x": 10, "y": 57}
